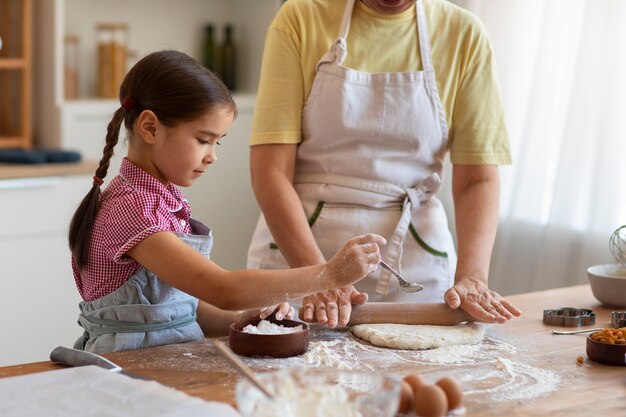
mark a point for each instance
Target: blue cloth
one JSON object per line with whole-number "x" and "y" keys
{"x": 38, "y": 156}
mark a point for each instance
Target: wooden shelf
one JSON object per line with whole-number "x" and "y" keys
{"x": 12, "y": 63}
{"x": 7, "y": 142}
{"x": 16, "y": 74}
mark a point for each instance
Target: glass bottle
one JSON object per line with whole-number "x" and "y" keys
{"x": 209, "y": 48}
{"x": 228, "y": 62}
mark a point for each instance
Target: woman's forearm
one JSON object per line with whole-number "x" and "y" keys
{"x": 476, "y": 192}
{"x": 272, "y": 168}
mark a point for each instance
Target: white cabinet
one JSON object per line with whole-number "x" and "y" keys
{"x": 39, "y": 301}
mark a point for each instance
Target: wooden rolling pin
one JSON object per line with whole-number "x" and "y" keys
{"x": 406, "y": 313}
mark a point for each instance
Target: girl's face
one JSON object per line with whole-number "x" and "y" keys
{"x": 181, "y": 154}
{"x": 389, "y": 6}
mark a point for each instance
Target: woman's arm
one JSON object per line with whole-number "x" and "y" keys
{"x": 176, "y": 263}
{"x": 476, "y": 192}
{"x": 272, "y": 168}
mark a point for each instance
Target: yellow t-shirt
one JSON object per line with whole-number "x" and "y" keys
{"x": 303, "y": 30}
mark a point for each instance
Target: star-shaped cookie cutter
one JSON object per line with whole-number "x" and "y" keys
{"x": 569, "y": 317}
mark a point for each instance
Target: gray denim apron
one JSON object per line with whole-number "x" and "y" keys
{"x": 144, "y": 311}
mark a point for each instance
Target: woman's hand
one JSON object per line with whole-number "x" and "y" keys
{"x": 332, "y": 307}
{"x": 281, "y": 311}
{"x": 473, "y": 296}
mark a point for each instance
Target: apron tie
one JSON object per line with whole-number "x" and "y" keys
{"x": 414, "y": 197}
{"x": 410, "y": 197}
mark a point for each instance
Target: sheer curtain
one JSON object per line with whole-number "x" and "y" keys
{"x": 562, "y": 67}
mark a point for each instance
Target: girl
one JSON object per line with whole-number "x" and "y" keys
{"x": 140, "y": 262}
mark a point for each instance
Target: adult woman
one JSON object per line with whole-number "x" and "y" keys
{"x": 359, "y": 139}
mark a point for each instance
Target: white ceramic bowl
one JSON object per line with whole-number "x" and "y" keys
{"x": 608, "y": 284}
{"x": 310, "y": 392}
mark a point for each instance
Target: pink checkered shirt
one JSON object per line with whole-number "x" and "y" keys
{"x": 134, "y": 206}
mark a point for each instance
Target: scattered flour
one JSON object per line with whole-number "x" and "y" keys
{"x": 509, "y": 380}
{"x": 267, "y": 327}
{"x": 294, "y": 400}
{"x": 321, "y": 354}
{"x": 493, "y": 370}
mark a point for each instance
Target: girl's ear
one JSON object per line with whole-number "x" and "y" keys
{"x": 147, "y": 123}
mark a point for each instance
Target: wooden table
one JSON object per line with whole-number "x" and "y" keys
{"x": 504, "y": 377}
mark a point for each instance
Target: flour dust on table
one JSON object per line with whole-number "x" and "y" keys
{"x": 492, "y": 369}
{"x": 416, "y": 337}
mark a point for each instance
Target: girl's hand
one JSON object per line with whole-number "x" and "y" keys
{"x": 281, "y": 311}
{"x": 357, "y": 258}
{"x": 473, "y": 296}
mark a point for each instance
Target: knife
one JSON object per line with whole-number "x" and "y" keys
{"x": 75, "y": 357}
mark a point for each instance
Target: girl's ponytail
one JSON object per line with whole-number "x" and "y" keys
{"x": 82, "y": 221}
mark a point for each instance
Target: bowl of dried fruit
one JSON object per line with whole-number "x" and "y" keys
{"x": 608, "y": 346}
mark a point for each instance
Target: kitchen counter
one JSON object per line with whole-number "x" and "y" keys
{"x": 521, "y": 369}
{"x": 15, "y": 171}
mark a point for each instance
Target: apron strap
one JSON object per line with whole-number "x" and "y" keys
{"x": 395, "y": 244}
{"x": 339, "y": 48}
{"x": 427, "y": 64}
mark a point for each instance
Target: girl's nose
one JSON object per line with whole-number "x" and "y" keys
{"x": 210, "y": 157}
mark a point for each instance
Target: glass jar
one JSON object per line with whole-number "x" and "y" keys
{"x": 111, "y": 58}
{"x": 71, "y": 66}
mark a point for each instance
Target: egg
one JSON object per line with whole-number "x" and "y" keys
{"x": 430, "y": 401}
{"x": 406, "y": 398}
{"x": 453, "y": 390}
{"x": 415, "y": 381}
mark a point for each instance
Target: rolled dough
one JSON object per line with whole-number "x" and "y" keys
{"x": 416, "y": 337}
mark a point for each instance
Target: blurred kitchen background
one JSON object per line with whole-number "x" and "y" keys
{"x": 560, "y": 64}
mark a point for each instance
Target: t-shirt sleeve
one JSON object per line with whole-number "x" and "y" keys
{"x": 280, "y": 99}
{"x": 478, "y": 133}
{"x": 129, "y": 221}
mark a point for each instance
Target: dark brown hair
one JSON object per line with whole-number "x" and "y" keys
{"x": 177, "y": 89}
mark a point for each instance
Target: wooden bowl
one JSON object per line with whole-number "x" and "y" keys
{"x": 605, "y": 353}
{"x": 270, "y": 345}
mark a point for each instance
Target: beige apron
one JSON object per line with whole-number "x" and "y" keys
{"x": 370, "y": 161}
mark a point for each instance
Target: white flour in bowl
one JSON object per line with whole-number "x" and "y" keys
{"x": 267, "y": 327}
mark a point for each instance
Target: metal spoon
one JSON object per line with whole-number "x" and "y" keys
{"x": 575, "y": 331}
{"x": 404, "y": 285}
{"x": 241, "y": 367}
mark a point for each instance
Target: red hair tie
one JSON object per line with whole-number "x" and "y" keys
{"x": 97, "y": 181}
{"x": 128, "y": 103}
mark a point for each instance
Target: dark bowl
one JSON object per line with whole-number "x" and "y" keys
{"x": 269, "y": 345}
{"x": 606, "y": 353}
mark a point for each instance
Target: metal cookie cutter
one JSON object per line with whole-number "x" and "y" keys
{"x": 618, "y": 319}
{"x": 569, "y": 317}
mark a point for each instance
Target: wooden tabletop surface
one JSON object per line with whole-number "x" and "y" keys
{"x": 521, "y": 369}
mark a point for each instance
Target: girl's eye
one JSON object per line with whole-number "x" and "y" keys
{"x": 203, "y": 142}
{"x": 218, "y": 143}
